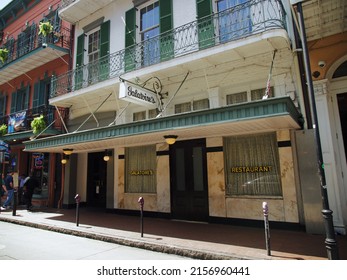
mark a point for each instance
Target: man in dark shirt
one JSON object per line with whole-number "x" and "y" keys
{"x": 29, "y": 187}
{"x": 10, "y": 190}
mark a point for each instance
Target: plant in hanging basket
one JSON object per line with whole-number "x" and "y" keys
{"x": 38, "y": 124}
{"x": 3, "y": 129}
{"x": 45, "y": 28}
{"x": 3, "y": 55}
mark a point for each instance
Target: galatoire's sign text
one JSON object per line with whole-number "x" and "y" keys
{"x": 142, "y": 172}
{"x": 138, "y": 95}
{"x": 251, "y": 169}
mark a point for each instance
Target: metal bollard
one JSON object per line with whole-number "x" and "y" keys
{"x": 78, "y": 199}
{"x": 14, "y": 209}
{"x": 141, "y": 201}
{"x": 267, "y": 228}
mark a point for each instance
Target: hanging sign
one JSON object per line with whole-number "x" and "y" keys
{"x": 137, "y": 95}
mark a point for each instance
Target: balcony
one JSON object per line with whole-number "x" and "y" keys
{"x": 235, "y": 34}
{"x": 75, "y": 10}
{"x": 19, "y": 123}
{"x": 32, "y": 52}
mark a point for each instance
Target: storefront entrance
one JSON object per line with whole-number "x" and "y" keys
{"x": 189, "y": 195}
{"x": 96, "y": 182}
{"x": 342, "y": 103}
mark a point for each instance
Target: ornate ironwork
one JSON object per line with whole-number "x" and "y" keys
{"x": 244, "y": 20}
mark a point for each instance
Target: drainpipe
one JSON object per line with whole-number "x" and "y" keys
{"x": 330, "y": 242}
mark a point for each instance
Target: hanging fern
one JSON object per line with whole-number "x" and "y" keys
{"x": 3, "y": 129}
{"x": 45, "y": 28}
{"x": 3, "y": 55}
{"x": 38, "y": 124}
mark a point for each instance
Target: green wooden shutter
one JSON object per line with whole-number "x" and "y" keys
{"x": 32, "y": 37}
{"x": 205, "y": 23}
{"x": 13, "y": 101}
{"x": 36, "y": 98}
{"x": 104, "y": 50}
{"x": 79, "y": 62}
{"x": 130, "y": 35}
{"x": 26, "y": 98}
{"x": 166, "y": 37}
{"x": 2, "y": 106}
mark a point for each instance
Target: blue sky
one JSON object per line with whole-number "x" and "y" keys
{"x": 3, "y": 3}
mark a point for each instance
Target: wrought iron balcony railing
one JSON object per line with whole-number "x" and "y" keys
{"x": 30, "y": 42}
{"x": 65, "y": 3}
{"x": 247, "y": 19}
{"x": 21, "y": 121}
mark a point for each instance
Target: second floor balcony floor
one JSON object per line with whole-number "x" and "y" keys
{"x": 18, "y": 124}
{"x": 235, "y": 34}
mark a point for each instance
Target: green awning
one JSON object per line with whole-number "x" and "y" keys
{"x": 262, "y": 115}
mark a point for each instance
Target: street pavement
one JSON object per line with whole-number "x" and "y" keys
{"x": 205, "y": 241}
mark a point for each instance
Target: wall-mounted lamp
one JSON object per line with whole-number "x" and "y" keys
{"x": 67, "y": 151}
{"x": 107, "y": 155}
{"x": 170, "y": 139}
{"x": 64, "y": 160}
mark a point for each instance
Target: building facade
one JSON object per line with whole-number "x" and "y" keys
{"x": 28, "y": 59}
{"x": 197, "y": 106}
{"x": 326, "y": 27}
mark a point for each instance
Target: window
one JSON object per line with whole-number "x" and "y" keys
{"x": 153, "y": 113}
{"x": 93, "y": 49}
{"x": 234, "y": 19}
{"x": 20, "y": 99}
{"x": 236, "y": 98}
{"x": 257, "y": 94}
{"x": 92, "y": 54}
{"x": 149, "y": 31}
{"x": 3, "y": 104}
{"x": 140, "y": 168}
{"x": 252, "y": 165}
{"x": 183, "y": 107}
{"x": 155, "y": 43}
{"x": 201, "y": 104}
{"x": 138, "y": 116}
{"x": 26, "y": 41}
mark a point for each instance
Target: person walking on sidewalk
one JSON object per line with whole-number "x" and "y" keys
{"x": 9, "y": 189}
{"x": 3, "y": 187}
{"x": 29, "y": 187}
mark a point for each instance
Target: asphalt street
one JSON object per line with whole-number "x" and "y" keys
{"x": 26, "y": 243}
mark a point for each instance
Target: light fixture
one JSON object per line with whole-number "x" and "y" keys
{"x": 107, "y": 155}
{"x": 64, "y": 161}
{"x": 170, "y": 139}
{"x": 67, "y": 151}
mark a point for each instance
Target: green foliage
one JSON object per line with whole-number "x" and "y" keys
{"x": 45, "y": 28}
{"x": 38, "y": 124}
{"x": 3, "y": 55}
{"x": 3, "y": 129}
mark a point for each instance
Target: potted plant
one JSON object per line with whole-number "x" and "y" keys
{"x": 3, "y": 55}
{"x": 45, "y": 28}
{"x": 38, "y": 124}
{"x": 3, "y": 129}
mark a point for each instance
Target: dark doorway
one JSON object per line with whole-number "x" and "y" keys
{"x": 58, "y": 180}
{"x": 96, "y": 181}
{"x": 188, "y": 171}
{"x": 342, "y": 103}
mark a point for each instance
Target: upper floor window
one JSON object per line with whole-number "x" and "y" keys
{"x": 149, "y": 31}
{"x": 147, "y": 25}
{"x": 237, "y": 98}
{"x": 257, "y": 94}
{"x": 235, "y": 21}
